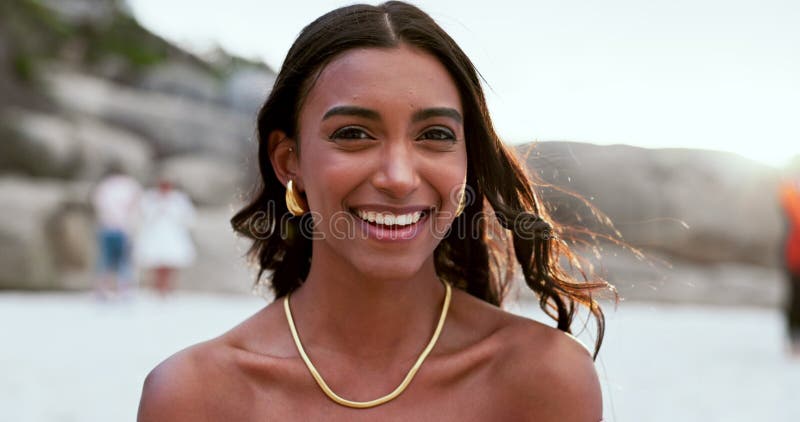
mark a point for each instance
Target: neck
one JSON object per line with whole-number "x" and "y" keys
{"x": 348, "y": 313}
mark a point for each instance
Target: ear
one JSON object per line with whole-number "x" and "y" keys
{"x": 284, "y": 158}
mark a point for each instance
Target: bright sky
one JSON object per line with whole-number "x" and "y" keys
{"x": 711, "y": 74}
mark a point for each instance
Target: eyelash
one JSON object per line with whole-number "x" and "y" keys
{"x": 338, "y": 133}
{"x": 444, "y": 134}
{"x": 447, "y": 134}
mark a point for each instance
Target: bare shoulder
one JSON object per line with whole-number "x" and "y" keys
{"x": 214, "y": 380}
{"x": 538, "y": 372}
{"x": 548, "y": 374}
{"x": 176, "y": 389}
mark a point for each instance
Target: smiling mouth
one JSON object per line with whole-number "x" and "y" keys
{"x": 388, "y": 220}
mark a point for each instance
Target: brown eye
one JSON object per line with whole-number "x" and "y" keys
{"x": 439, "y": 134}
{"x": 350, "y": 132}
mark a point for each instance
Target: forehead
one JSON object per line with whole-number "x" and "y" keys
{"x": 384, "y": 77}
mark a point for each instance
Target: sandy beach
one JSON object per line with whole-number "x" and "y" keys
{"x": 68, "y": 358}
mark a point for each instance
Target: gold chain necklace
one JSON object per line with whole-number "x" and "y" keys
{"x": 381, "y": 400}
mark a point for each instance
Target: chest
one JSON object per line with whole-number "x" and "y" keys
{"x": 447, "y": 391}
{"x": 459, "y": 403}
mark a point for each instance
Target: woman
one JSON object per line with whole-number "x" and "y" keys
{"x": 388, "y": 271}
{"x": 164, "y": 242}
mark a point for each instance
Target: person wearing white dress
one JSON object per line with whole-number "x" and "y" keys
{"x": 164, "y": 243}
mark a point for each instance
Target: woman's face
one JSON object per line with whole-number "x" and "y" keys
{"x": 382, "y": 159}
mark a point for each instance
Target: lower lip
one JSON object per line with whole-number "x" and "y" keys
{"x": 385, "y": 234}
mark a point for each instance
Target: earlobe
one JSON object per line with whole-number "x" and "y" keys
{"x": 283, "y": 155}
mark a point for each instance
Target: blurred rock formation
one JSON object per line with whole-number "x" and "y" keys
{"x": 691, "y": 211}
{"x": 83, "y": 89}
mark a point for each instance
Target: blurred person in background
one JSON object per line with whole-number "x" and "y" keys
{"x": 164, "y": 243}
{"x": 790, "y": 201}
{"x": 115, "y": 201}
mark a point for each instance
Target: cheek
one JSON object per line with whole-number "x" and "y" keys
{"x": 328, "y": 176}
{"x": 448, "y": 175}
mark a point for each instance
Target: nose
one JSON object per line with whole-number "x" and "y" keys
{"x": 396, "y": 174}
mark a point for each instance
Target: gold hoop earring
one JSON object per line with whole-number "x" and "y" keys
{"x": 294, "y": 202}
{"x": 462, "y": 204}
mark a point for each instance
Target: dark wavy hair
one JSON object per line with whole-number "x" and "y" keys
{"x": 480, "y": 263}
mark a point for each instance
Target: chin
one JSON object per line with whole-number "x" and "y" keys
{"x": 390, "y": 269}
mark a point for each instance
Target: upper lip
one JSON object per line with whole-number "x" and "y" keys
{"x": 390, "y": 209}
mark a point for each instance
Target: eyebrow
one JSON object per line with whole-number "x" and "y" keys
{"x": 427, "y": 113}
{"x": 418, "y": 116}
{"x": 352, "y": 111}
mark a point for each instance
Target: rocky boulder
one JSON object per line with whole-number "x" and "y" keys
{"x": 181, "y": 79}
{"x": 39, "y": 145}
{"x": 208, "y": 180}
{"x": 172, "y": 124}
{"x": 702, "y": 206}
{"x": 70, "y": 147}
{"x": 35, "y": 240}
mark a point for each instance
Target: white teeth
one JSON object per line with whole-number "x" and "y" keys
{"x": 390, "y": 219}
